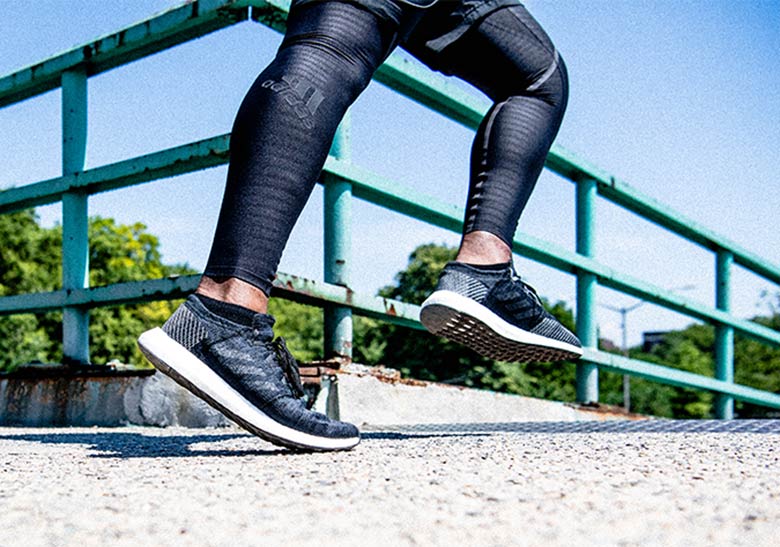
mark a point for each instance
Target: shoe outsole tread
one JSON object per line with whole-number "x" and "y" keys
{"x": 465, "y": 329}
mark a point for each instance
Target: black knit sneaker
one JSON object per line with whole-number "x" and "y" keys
{"x": 244, "y": 373}
{"x": 497, "y": 315}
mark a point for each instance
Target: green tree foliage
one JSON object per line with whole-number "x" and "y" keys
{"x": 689, "y": 350}
{"x": 757, "y": 365}
{"x": 301, "y": 326}
{"x": 121, "y": 253}
{"x": 692, "y": 349}
{"x": 30, "y": 261}
{"x": 30, "y": 256}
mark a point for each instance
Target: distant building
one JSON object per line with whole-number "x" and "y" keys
{"x": 606, "y": 344}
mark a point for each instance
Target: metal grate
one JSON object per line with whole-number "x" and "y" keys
{"x": 607, "y": 426}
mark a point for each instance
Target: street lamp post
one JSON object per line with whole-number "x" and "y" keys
{"x": 624, "y": 311}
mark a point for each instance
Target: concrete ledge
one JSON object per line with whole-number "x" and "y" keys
{"x": 65, "y": 400}
{"x": 369, "y": 401}
{"x": 162, "y": 402}
{"x": 376, "y": 396}
{"x": 361, "y": 395}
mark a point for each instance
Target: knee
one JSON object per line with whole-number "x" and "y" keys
{"x": 328, "y": 61}
{"x": 550, "y": 84}
{"x": 336, "y": 41}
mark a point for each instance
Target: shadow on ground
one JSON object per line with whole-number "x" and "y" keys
{"x": 117, "y": 443}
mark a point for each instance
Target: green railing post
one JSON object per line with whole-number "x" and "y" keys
{"x": 75, "y": 222}
{"x": 587, "y": 373}
{"x": 724, "y": 335}
{"x": 338, "y": 245}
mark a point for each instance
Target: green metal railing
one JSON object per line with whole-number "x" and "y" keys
{"x": 344, "y": 181}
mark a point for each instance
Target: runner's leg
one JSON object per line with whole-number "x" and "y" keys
{"x": 281, "y": 138}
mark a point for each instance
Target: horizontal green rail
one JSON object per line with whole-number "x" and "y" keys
{"x": 198, "y": 18}
{"x": 163, "y": 164}
{"x": 621, "y": 193}
{"x": 679, "y": 378}
{"x": 290, "y": 287}
{"x": 400, "y": 313}
{"x": 162, "y": 31}
{"x": 372, "y": 188}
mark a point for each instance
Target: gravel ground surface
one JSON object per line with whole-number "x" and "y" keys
{"x": 511, "y": 484}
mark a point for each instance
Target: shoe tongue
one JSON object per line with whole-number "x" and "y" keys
{"x": 263, "y": 324}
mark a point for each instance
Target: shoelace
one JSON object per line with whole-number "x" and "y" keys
{"x": 289, "y": 366}
{"x": 528, "y": 288}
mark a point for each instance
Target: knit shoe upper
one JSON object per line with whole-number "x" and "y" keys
{"x": 246, "y": 374}
{"x": 498, "y": 315}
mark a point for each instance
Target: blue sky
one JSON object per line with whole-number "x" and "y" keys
{"x": 681, "y": 99}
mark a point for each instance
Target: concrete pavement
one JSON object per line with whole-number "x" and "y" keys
{"x": 541, "y": 483}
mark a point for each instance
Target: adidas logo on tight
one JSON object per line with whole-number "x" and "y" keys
{"x": 304, "y": 98}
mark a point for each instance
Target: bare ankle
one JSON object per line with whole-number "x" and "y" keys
{"x": 234, "y": 291}
{"x": 483, "y": 248}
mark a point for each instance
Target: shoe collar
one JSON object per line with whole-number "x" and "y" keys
{"x": 262, "y": 323}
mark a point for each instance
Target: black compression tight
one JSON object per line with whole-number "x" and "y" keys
{"x": 286, "y": 123}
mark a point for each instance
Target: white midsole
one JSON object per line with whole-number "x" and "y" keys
{"x": 176, "y": 356}
{"x": 506, "y": 330}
